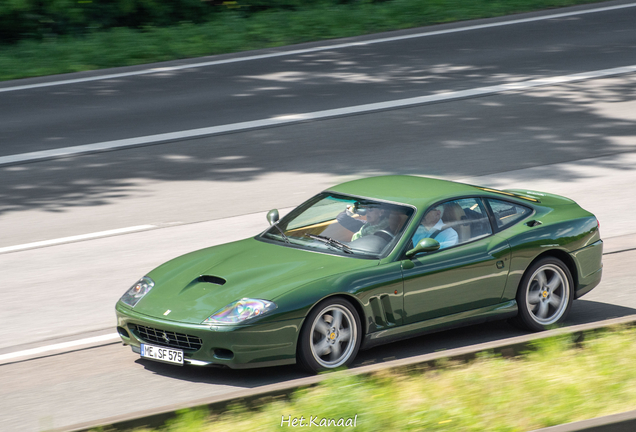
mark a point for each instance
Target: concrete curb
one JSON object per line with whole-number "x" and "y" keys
{"x": 623, "y": 243}
{"x": 506, "y": 347}
{"x": 622, "y": 422}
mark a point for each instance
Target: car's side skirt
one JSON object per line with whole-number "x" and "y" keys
{"x": 504, "y": 310}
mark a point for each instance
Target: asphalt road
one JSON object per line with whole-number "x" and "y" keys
{"x": 577, "y": 139}
{"x": 235, "y": 92}
{"x": 213, "y": 177}
{"x": 108, "y": 381}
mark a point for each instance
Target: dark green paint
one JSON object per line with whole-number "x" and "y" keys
{"x": 396, "y": 296}
{"x": 273, "y": 343}
{"x": 252, "y": 269}
{"x": 425, "y": 245}
{"x": 490, "y": 313}
{"x": 456, "y": 279}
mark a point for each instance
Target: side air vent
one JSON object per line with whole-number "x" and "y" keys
{"x": 212, "y": 279}
{"x": 382, "y": 311}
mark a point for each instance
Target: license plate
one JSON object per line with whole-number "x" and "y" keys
{"x": 162, "y": 354}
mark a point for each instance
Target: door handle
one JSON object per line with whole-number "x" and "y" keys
{"x": 500, "y": 264}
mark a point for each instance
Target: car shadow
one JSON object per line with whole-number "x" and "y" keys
{"x": 246, "y": 378}
{"x": 582, "y": 312}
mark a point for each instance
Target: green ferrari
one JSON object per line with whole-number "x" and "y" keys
{"x": 365, "y": 263}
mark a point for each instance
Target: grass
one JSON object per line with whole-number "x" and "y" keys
{"x": 559, "y": 382}
{"x": 233, "y": 31}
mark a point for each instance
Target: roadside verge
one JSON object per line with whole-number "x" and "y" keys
{"x": 507, "y": 347}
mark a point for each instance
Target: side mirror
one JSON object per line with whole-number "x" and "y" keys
{"x": 272, "y": 216}
{"x": 425, "y": 245}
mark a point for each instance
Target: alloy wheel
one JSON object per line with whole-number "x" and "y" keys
{"x": 547, "y": 294}
{"x": 333, "y": 336}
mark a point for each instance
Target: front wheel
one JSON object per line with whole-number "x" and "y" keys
{"x": 330, "y": 337}
{"x": 545, "y": 295}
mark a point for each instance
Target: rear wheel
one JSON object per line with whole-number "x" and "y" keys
{"x": 545, "y": 295}
{"x": 330, "y": 337}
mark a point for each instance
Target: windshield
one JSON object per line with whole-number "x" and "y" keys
{"x": 343, "y": 225}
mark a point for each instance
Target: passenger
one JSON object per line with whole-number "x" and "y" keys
{"x": 377, "y": 220}
{"x": 433, "y": 227}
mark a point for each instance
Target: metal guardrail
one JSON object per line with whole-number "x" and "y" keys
{"x": 623, "y": 422}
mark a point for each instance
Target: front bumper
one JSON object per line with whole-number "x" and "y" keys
{"x": 238, "y": 347}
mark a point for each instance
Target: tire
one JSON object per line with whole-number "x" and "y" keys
{"x": 330, "y": 337}
{"x": 545, "y": 295}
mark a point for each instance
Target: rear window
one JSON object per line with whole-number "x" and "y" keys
{"x": 506, "y": 213}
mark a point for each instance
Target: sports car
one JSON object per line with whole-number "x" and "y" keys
{"x": 364, "y": 263}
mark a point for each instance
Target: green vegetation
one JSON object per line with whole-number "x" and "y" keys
{"x": 36, "y": 19}
{"x": 559, "y": 382}
{"x": 83, "y": 37}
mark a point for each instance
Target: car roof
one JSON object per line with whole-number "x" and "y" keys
{"x": 416, "y": 191}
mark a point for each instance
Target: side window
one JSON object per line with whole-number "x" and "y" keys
{"x": 507, "y": 213}
{"x": 454, "y": 222}
{"x": 474, "y": 222}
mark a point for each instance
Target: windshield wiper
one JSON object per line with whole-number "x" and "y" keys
{"x": 283, "y": 234}
{"x": 331, "y": 242}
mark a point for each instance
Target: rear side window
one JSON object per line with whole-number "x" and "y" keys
{"x": 507, "y": 213}
{"x": 454, "y": 222}
{"x": 473, "y": 220}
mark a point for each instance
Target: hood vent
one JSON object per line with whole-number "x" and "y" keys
{"x": 212, "y": 279}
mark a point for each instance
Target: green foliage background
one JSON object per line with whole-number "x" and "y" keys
{"x": 38, "y": 19}
{"x": 43, "y": 37}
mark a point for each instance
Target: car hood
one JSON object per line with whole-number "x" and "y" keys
{"x": 247, "y": 268}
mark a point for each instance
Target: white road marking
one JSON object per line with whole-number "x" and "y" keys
{"x": 59, "y": 346}
{"x": 76, "y": 238}
{"x": 316, "y": 115}
{"x": 65, "y": 347}
{"x": 613, "y": 244}
{"x": 316, "y": 49}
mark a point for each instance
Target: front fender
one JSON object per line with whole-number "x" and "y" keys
{"x": 377, "y": 292}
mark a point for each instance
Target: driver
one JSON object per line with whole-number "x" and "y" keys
{"x": 377, "y": 220}
{"x": 433, "y": 227}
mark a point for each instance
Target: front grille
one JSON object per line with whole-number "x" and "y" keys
{"x": 168, "y": 338}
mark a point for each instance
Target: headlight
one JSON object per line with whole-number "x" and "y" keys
{"x": 240, "y": 311}
{"x": 137, "y": 291}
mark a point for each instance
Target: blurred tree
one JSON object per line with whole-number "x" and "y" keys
{"x": 21, "y": 19}
{"x": 41, "y": 19}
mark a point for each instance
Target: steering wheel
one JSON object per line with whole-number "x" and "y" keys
{"x": 385, "y": 235}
